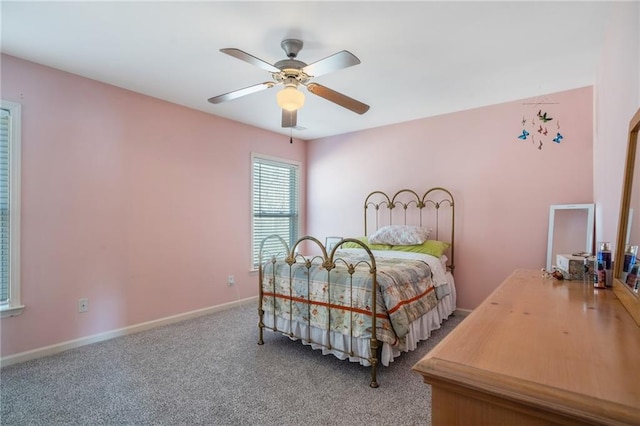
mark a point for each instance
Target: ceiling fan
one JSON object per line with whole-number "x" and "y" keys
{"x": 292, "y": 73}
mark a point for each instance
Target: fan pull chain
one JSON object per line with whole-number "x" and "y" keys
{"x": 291, "y": 136}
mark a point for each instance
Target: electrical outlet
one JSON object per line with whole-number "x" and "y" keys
{"x": 231, "y": 280}
{"x": 83, "y": 305}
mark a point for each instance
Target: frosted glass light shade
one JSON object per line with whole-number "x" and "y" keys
{"x": 290, "y": 98}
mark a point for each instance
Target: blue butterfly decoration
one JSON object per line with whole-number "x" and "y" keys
{"x": 558, "y": 138}
{"x": 524, "y": 135}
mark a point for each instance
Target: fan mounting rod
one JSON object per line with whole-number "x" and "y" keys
{"x": 291, "y": 47}
{"x": 291, "y": 67}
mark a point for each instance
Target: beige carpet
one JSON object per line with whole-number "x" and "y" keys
{"x": 210, "y": 371}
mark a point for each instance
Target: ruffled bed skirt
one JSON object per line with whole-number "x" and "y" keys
{"x": 419, "y": 330}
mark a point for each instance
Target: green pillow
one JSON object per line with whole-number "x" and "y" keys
{"x": 365, "y": 240}
{"x": 432, "y": 247}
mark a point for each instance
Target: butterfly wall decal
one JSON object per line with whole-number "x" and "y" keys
{"x": 544, "y": 117}
{"x": 558, "y": 138}
{"x": 524, "y": 135}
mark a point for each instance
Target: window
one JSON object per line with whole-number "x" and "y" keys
{"x": 275, "y": 203}
{"x": 10, "y": 125}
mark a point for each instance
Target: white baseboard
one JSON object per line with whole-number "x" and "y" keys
{"x": 76, "y": 343}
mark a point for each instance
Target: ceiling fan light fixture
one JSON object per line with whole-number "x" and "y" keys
{"x": 290, "y": 98}
{"x": 291, "y": 74}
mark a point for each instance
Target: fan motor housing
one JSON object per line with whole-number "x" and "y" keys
{"x": 290, "y": 70}
{"x": 290, "y": 64}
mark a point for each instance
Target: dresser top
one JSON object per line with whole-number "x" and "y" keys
{"x": 546, "y": 342}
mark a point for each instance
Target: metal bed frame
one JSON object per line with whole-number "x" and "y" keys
{"x": 404, "y": 207}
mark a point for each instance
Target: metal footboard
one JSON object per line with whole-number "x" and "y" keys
{"x": 283, "y": 298}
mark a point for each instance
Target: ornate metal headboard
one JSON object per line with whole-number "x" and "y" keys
{"x": 434, "y": 210}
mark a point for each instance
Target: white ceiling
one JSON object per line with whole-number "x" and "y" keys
{"x": 419, "y": 59}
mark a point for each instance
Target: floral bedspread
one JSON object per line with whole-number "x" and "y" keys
{"x": 338, "y": 300}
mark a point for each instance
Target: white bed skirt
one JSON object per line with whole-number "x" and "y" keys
{"x": 419, "y": 330}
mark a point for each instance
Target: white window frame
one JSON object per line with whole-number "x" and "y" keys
{"x": 14, "y": 306}
{"x": 254, "y": 267}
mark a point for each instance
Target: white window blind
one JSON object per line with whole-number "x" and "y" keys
{"x": 275, "y": 204}
{"x": 4, "y": 205}
{"x": 10, "y": 119}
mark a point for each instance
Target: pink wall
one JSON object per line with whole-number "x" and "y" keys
{"x": 617, "y": 98}
{"x": 503, "y": 186}
{"x": 140, "y": 205}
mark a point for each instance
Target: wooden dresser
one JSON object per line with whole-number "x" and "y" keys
{"x": 538, "y": 351}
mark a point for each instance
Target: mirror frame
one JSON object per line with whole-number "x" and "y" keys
{"x": 627, "y": 297}
{"x": 589, "y": 208}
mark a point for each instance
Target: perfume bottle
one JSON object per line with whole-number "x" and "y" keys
{"x": 604, "y": 262}
{"x": 600, "y": 281}
{"x": 630, "y": 253}
{"x": 632, "y": 277}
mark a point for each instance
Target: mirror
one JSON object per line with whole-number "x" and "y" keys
{"x": 570, "y": 230}
{"x": 629, "y": 226}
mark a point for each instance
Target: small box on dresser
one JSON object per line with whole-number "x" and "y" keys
{"x": 572, "y": 267}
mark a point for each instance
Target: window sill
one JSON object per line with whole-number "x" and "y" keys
{"x": 11, "y": 311}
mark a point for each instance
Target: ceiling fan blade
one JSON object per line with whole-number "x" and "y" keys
{"x": 289, "y": 118}
{"x": 242, "y": 92}
{"x": 338, "y": 98}
{"x": 337, "y": 61}
{"x": 244, "y": 56}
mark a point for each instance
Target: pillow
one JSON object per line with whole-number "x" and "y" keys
{"x": 431, "y": 247}
{"x": 400, "y": 235}
{"x": 365, "y": 241}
